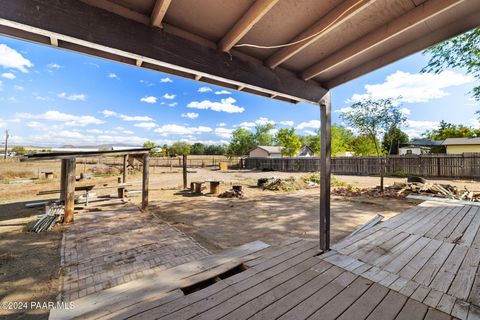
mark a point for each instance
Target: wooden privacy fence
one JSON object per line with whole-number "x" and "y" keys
{"x": 432, "y": 165}
{"x": 192, "y": 161}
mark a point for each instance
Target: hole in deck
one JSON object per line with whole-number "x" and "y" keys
{"x": 208, "y": 282}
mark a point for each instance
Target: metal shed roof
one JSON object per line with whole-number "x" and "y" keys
{"x": 461, "y": 141}
{"x": 317, "y": 45}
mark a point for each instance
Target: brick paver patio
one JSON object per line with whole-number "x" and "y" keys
{"x": 106, "y": 248}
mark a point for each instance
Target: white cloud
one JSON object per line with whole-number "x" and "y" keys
{"x": 173, "y": 104}
{"x": 224, "y": 132}
{"x": 72, "y": 97}
{"x": 315, "y": 124}
{"x": 8, "y": 75}
{"x": 406, "y": 111}
{"x": 247, "y": 124}
{"x": 1, "y": 84}
{"x": 414, "y": 128}
{"x": 35, "y": 124}
{"x": 414, "y": 88}
{"x": 53, "y": 66}
{"x": 221, "y": 124}
{"x": 67, "y": 119}
{"x": 259, "y": 121}
{"x": 10, "y": 58}
{"x": 204, "y": 89}
{"x": 190, "y": 115}
{"x": 147, "y": 83}
{"x": 169, "y": 96}
{"x": 149, "y": 99}
{"x": 175, "y": 129}
{"x": 19, "y": 88}
{"x": 110, "y": 113}
{"x": 223, "y": 92}
{"x": 128, "y": 132}
{"x": 166, "y": 80}
{"x": 145, "y": 125}
{"x": 287, "y": 123}
{"x": 112, "y": 75}
{"x": 225, "y": 105}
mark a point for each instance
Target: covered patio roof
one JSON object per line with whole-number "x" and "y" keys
{"x": 289, "y": 50}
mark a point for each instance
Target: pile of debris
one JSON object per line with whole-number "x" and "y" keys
{"x": 54, "y": 213}
{"x": 235, "y": 192}
{"x": 388, "y": 192}
{"x": 436, "y": 190}
{"x": 278, "y": 184}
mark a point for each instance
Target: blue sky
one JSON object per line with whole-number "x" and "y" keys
{"x": 54, "y": 97}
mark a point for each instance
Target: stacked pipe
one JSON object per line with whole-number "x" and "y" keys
{"x": 54, "y": 213}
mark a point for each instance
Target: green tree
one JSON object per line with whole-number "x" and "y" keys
{"x": 462, "y": 51}
{"x": 263, "y": 135}
{"x": 215, "y": 149}
{"x": 242, "y": 142}
{"x": 393, "y": 139}
{"x": 153, "y": 148}
{"x": 290, "y": 142}
{"x": 19, "y": 150}
{"x": 341, "y": 139}
{"x": 447, "y": 130}
{"x": 198, "y": 148}
{"x": 181, "y": 148}
{"x": 363, "y": 145}
{"x": 312, "y": 141}
{"x": 374, "y": 118}
{"x": 165, "y": 151}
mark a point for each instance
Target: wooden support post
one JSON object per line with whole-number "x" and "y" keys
{"x": 124, "y": 174}
{"x": 69, "y": 189}
{"x": 325, "y": 171}
{"x": 185, "y": 172}
{"x": 146, "y": 164}
{"x": 63, "y": 174}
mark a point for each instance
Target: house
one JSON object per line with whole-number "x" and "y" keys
{"x": 306, "y": 151}
{"x": 418, "y": 147}
{"x": 462, "y": 145}
{"x": 266, "y": 152}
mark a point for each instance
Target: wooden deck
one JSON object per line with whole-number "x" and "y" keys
{"x": 421, "y": 264}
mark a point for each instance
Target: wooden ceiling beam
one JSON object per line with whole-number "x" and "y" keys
{"x": 118, "y": 9}
{"x": 159, "y": 11}
{"x": 79, "y": 25}
{"x": 246, "y": 22}
{"x": 412, "y": 18}
{"x": 337, "y": 15}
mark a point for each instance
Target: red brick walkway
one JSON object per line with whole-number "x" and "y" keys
{"x": 106, "y": 248}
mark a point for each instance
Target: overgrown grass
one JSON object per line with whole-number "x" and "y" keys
{"x": 12, "y": 174}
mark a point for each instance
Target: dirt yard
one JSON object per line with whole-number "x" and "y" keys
{"x": 29, "y": 262}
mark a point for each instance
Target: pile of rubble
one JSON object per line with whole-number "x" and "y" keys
{"x": 53, "y": 215}
{"x": 277, "y": 184}
{"x": 235, "y": 192}
{"x": 436, "y": 190}
{"x": 388, "y": 192}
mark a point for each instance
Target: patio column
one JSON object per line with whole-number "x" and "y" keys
{"x": 68, "y": 188}
{"x": 325, "y": 170}
{"x": 146, "y": 165}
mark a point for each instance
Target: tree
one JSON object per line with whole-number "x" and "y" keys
{"x": 374, "y": 118}
{"x": 242, "y": 142}
{"x": 181, "y": 148}
{"x": 263, "y": 135}
{"x": 393, "y": 139}
{"x": 290, "y": 142}
{"x": 19, "y": 150}
{"x": 341, "y": 139}
{"x": 198, "y": 148}
{"x": 215, "y": 149}
{"x": 449, "y": 130}
{"x": 312, "y": 141}
{"x": 363, "y": 145}
{"x": 153, "y": 147}
{"x": 462, "y": 51}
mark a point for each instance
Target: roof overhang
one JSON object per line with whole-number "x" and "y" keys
{"x": 198, "y": 39}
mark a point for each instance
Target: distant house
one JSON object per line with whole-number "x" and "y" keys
{"x": 306, "y": 151}
{"x": 418, "y": 147}
{"x": 462, "y": 145}
{"x": 266, "y": 152}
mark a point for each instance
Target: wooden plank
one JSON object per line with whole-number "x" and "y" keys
{"x": 281, "y": 306}
{"x": 374, "y": 253}
{"x": 438, "y": 221}
{"x": 343, "y": 300}
{"x": 307, "y": 307}
{"x": 430, "y": 269}
{"x": 447, "y": 272}
{"x": 457, "y": 234}
{"x": 406, "y": 256}
{"x": 389, "y": 308}
{"x": 361, "y": 308}
{"x": 446, "y": 231}
{"x": 409, "y": 288}
{"x": 420, "y": 293}
{"x": 411, "y": 268}
{"x": 433, "y": 298}
{"x": 473, "y": 313}
{"x": 472, "y": 228}
{"x": 349, "y": 249}
{"x": 396, "y": 251}
{"x": 145, "y": 180}
{"x": 465, "y": 276}
{"x": 460, "y": 309}
{"x": 150, "y": 287}
{"x": 325, "y": 169}
{"x": 412, "y": 310}
{"x": 69, "y": 185}
{"x": 443, "y": 200}
{"x": 245, "y": 23}
{"x": 254, "y": 306}
{"x": 446, "y": 303}
{"x": 433, "y": 314}
{"x": 159, "y": 11}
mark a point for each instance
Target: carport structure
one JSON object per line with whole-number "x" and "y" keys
{"x": 294, "y": 51}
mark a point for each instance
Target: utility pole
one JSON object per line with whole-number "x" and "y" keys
{"x": 6, "y": 143}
